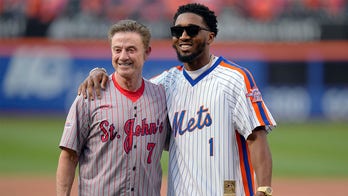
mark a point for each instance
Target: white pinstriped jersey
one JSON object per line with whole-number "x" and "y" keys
{"x": 119, "y": 140}
{"x": 211, "y": 117}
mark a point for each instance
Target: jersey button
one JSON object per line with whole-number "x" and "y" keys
{"x": 132, "y": 189}
{"x": 135, "y": 146}
{"x": 134, "y": 168}
{"x": 135, "y": 115}
{"x": 135, "y": 107}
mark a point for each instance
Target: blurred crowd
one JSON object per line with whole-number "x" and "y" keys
{"x": 298, "y": 20}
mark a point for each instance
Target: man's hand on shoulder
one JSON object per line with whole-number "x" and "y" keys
{"x": 95, "y": 81}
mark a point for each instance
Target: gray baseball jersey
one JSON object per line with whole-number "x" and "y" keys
{"x": 211, "y": 117}
{"x": 119, "y": 140}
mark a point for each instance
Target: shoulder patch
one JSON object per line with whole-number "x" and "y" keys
{"x": 255, "y": 95}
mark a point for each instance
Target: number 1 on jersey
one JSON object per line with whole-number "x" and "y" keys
{"x": 211, "y": 142}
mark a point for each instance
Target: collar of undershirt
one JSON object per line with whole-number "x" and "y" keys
{"x": 196, "y": 73}
{"x": 193, "y": 77}
{"x": 134, "y": 96}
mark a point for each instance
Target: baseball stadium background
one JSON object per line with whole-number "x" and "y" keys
{"x": 296, "y": 49}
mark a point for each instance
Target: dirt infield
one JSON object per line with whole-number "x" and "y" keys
{"x": 45, "y": 186}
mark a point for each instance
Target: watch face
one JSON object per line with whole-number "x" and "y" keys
{"x": 269, "y": 190}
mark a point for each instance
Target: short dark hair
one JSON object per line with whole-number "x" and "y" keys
{"x": 208, "y": 15}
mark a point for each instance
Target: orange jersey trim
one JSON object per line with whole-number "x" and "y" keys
{"x": 246, "y": 167}
{"x": 259, "y": 107}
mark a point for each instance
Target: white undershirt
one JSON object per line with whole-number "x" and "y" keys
{"x": 198, "y": 72}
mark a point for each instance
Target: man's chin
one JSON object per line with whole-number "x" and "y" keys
{"x": 185, "y": 58}
{"x": 125, "y": 74}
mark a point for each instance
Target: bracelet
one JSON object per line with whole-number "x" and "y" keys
{"x": 96, "y": 68}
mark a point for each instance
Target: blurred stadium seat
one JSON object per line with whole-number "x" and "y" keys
{"x": 303, "y": 20}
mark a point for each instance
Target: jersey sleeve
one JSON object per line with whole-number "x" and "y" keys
{"x": 76, "y": 127}
{"x": 159, "y": 79}
{"x": 250, "y": 109}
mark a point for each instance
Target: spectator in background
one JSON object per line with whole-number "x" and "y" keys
{"x": 121, "y": 9}
{"x": 92, "y": 7}
{"x": 153, "y": 14}
{"x": 89, "y": 18}
{"x": 7, "y": 6}
{"x": 40, "y": 14}
{"x": 12, "y": 18}
{"x": 151, "y": 10}
{"x": 335, "y": 8}
{"x": 172, "y": 6}
{"x": 265, "y": 10}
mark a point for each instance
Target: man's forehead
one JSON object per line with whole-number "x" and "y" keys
{"x": 127, "y": 39}
{"x": 188, "y": 18}
{"x": 127, "y": 36}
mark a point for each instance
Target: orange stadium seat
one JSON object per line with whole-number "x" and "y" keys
{"x": 121, "y": 9}
{"x": 151, "y": 10}
{"x": 172, "y": 6}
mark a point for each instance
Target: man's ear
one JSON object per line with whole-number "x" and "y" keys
{"x": 211, "y": 37}
{"x": 148, "y": 52}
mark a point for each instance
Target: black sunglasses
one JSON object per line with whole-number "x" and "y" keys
{"x": 191, "y": 30}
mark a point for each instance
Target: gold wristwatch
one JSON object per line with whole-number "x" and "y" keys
{"x": 266, "y": 189}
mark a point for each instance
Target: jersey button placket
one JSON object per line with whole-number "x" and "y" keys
{"x": 134, "y": 170}
{"x": 135, "y": 111}
{"x": 135, "y": 115}
{"x": 135, "y": 146}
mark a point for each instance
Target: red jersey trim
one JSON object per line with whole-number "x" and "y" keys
{"x": 134, "y": 96}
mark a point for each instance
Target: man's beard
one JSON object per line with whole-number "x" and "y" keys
{"x": 191, "y": 57}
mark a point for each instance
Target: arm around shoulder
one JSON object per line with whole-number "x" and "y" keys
{"x": 95, "y": 81}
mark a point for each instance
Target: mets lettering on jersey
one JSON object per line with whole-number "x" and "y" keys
{"x": 203, "y": 119}
{"x": 211, "y": 117}
{"x": 119, "y": 141}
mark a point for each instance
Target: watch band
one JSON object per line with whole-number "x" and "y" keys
{"x": 266, "y": 189}
{"x": 96, "y": 68}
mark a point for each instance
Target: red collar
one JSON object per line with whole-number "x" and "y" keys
{"x": 134, "y": 96}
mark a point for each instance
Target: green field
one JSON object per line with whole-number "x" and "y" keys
{"x": 314, "y": 149}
